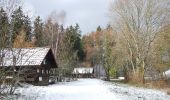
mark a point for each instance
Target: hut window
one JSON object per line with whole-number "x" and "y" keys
{"x": 14, "y": 60}
{"x": 40, "y": 78}
{"x": 42, "y": 71}
{"x": 1, "y": 59}
{"x": 38, "y": 70}
{"x": 44, "y": 62}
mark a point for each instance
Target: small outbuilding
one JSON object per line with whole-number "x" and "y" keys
{"x": 99, "y": 71}
{"x": 33, "y": 65}
{"x": 167, "y": 74}
{"x": 83, "y": 72}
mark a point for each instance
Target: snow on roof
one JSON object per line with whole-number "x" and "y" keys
{"x": 83, "y": 71}
{"x": 23, "y": 56}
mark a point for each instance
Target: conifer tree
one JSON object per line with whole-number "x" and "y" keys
{"x": 4, "y": 28}
{"x": 17, "y": 23}
{"x": 27, "y": 28}
{"x": 38, "y": 31}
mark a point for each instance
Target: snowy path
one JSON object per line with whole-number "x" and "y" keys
{"x": 89, "y": 89}
{"x": 83, "y": 89}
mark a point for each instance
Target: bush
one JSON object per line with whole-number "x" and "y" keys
{"x": 113, "y": 72}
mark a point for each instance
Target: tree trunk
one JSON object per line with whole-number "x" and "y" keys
{"x": 108, "y": 75}
{"x": 143, "y": 72}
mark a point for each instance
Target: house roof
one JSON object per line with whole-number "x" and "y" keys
{"x": 83, "y": 71}
{"x": 23, "y": 56}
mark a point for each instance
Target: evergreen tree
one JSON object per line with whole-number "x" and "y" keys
{"x": 99, "y": 29}
{"x": 75, "y": 39}
{"x": 17, "y": 22}
{"x": 4, "y": 28}
{"x": 27, "y": 28}
{"x": 38, "y": 31}
{"x": 78, "y": 43}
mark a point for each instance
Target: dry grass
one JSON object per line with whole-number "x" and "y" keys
{"x": 136, "y": 80}
{"x": 161, "y": 84}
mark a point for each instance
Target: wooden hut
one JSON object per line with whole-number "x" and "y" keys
{"x": 33, "y": 65}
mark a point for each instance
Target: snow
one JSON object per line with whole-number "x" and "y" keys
{"x": 136, "y": 93}
{"x": 83, "y": 89}
{"x": 89, "y": 89}
{"x": 24, "y": 56}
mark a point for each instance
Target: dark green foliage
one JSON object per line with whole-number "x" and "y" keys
{"x": 17, "y": 22}
{"x": 75, "y": 38}
{"x": 20, "y": 22}
{"x": 4, "y": 29}
{"x": 38, "y": 31}
{"x": 27, "y": 28}
{"x": 99, "y": 29}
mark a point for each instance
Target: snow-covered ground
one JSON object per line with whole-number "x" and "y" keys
{"x": 89, "y": 89}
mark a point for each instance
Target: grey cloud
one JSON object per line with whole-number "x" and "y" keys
{"x": 88, "y": 13}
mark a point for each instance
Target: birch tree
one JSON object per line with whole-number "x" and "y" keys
{"x": 139, "y": 22}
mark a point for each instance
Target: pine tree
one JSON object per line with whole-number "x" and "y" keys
{"x": 78, "y": 43}
{"x": 38, "y": 31}
{"x": 17, "y": 22}
{"x": 4, "y": 28}
{"x": 27, "y": 28}
{"x": 99, "y": 29}
{"x": 75, "y": 39}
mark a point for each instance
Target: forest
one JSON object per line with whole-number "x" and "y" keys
{"x": 135, "y": 43}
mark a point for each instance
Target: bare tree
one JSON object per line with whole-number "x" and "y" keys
{"x": 10, "y": 5}
{"x": 139, "y": 22}
{"x": 53, "y": 28}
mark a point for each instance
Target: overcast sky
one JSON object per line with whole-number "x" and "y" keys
{"x": 87, "y": 13}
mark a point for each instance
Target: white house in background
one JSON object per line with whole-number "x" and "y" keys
{"x": 83, "y": 72}
{"x": 167, "y": 74}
